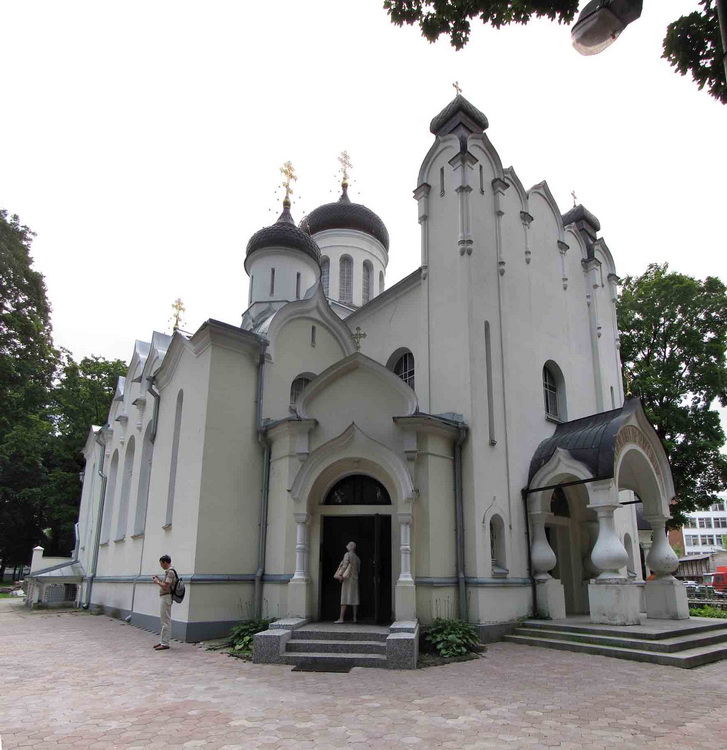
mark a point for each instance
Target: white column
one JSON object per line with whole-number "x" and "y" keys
{"x": 549, "y": 593}
{"x": 665, "y": 597}
{"x": 301, "y": 547}
{"x": 541, "y": 553}
{"x": 405, "y": 590}
{"x": 613, "y": 598}
{"x": 299, "y": 585}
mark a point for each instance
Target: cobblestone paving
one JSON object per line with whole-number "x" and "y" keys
{"x": 80, "y": 681}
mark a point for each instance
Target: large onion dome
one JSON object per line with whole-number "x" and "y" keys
{"x": 284, "y": 233}
{"x": 346, "y": 215}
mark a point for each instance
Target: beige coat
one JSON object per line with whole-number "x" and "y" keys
{"x": 349, "y": 570}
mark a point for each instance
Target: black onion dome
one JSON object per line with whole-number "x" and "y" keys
{"x": 284, "y": 233}
{"x": 581, "y": 213}
{"x": 346, "y": 215}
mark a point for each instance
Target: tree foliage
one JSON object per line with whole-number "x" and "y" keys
{"x": 673, "y": 342}
{"x": 692, "y": 43}
{"x": 48, "y": 402}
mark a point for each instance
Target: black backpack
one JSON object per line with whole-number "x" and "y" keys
{"x": 178, "y": 590}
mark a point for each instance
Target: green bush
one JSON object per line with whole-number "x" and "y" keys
{"x": 241, "y": 636}
{"x": 452, "y": 637}
{"x": 708, "y": 611}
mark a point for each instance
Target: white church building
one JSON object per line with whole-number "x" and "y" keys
{"x": 466, "y": 427}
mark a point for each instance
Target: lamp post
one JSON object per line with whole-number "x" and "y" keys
{"x": 601, "y": 22}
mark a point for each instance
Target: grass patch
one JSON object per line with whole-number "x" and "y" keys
{"x": 708, "y": 611}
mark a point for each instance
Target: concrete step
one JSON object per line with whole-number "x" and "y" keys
{"x": 666, "y": 645}
{"x": 376, "y": 661}
{"x": 675, "y": 629}
{"x": 686, "y": 659}
{"x": 299, "y": 645}
{"x": 341, "y": 633}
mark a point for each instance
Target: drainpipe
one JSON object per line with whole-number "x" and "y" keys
{"x": 533, "y": 584}
{"x": 152, "y": 438}
{"x": 459, "y": 522}
{"x": 97, "y": 540}
{"x": 264, "y": 497}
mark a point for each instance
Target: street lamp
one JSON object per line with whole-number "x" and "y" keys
{"x": 600, "y": 23}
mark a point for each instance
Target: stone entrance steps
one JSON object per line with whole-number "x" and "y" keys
{"x": 678, "y": 643}
{"x": 328, "y": 644}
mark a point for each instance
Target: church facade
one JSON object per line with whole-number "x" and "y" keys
{"x": 466, "y": 427}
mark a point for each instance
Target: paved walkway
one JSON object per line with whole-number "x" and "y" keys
{"x": 83, "y": 681}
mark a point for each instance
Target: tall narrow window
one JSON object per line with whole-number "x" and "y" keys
{"x": 404, "y": 368}
{"x": 312, "y": 335}
{"x": 125, "y": 490}
{"x": 297, "y": 286}
{"x": 325, "y": 274}
{"x": 272, "y": 282}
{"x": 173, "y": 463}
{"x": 482, "y": 180}
{"x": 142, "y": 493}
{"x": 550, "y": 393}
{"x": 252, "y": 284}
{"x": 108, "y": 510}
{"x": 345, "y": 280}
{"x": 367, "y": 278}
{"x": 490, "y": 391}
{"x": 441, "y": 180}
{"x": 381, "y": 282}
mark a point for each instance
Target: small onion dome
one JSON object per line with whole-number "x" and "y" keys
{"x": 580, "y": 213}
{"x": 346, "y": 215}
{"x": 284, "y": 233}
{"x": 458, "y": 112}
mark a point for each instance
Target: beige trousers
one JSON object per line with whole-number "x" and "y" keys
{"x": 165, "y": 614}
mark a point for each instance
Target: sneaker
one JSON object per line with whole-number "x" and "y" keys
{"x": 160, "y": 647}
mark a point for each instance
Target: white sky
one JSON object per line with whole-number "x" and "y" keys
{"x": 142, "y": 141}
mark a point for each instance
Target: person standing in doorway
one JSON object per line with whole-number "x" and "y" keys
{"x": 347, "y": 574}
{"x": 166, "y": 586}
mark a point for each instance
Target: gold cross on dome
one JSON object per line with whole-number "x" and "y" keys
{"x": 357, "y": 338}
{"x": 345, "y": 161}
{"x": 457, "y": 87}
{"x": 288, "y": 170}
{"x": 178, "y": 308}
{"x": 573, "y": 193}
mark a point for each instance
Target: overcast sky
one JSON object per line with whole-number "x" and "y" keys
{"x": 142, "y": 141}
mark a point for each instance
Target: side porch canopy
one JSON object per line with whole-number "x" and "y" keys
{"x": 606, "y": 453}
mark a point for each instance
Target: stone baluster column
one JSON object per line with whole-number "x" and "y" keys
{"x": 613, "y": 598}
{"x": 541, "y": 553}
{"x": 608, "y": 555}
{"x": 405, "y": 590}
{"x": 665, "y": 596}
{"x": 549, "y": 593}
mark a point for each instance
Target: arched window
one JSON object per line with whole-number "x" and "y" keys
{"x": 497, "y": 547}
{"x": 358, "y": 490}
{"x": 368, "y": 281}
{"x": 297, "y": 386}
{"x": 142, "y": 493}
{"x": 325, "y": 274}
{"x": 125, "y": 490}
{"x": 345, "y": 280}
{"x": 404, "y": 368}
{"x": 559, "y": 503}
{"x": 554, "y": 392}
{"x": 108, "y": 510}
{"x": 381, "y": 282}
{"x": 173, "y": 463}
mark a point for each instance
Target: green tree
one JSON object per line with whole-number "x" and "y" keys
{"x": 673, "y": 342}
{"x": 692, "y": 43}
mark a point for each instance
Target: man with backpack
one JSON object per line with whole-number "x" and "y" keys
{"x": 167, "y": 587}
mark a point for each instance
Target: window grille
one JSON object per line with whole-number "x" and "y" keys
{"x": 325, "y": 274}
{"x": 297, "y": 387}
{"x": 404, "y": 368}
{"x": 345, "y": 284}
{"x": 550, "y": 393}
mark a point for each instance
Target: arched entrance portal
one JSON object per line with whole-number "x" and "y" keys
{"x": 346, "y": 517}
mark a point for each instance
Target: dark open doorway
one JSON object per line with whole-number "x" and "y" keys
{"x": 372, "y": 535}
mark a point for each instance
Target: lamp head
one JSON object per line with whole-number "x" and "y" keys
{"x": 601, "y": 22}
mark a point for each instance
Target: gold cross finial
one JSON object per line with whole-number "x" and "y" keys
{"x": 629, "y": 378}
{"x": 178, "y": 308}
{"x": 573, "y": 193}
{"x": 345, "y": 161}
{"x": 457, "y": 87}
{"x": 288, "y": 170}
{"x": 357, "y": 338}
